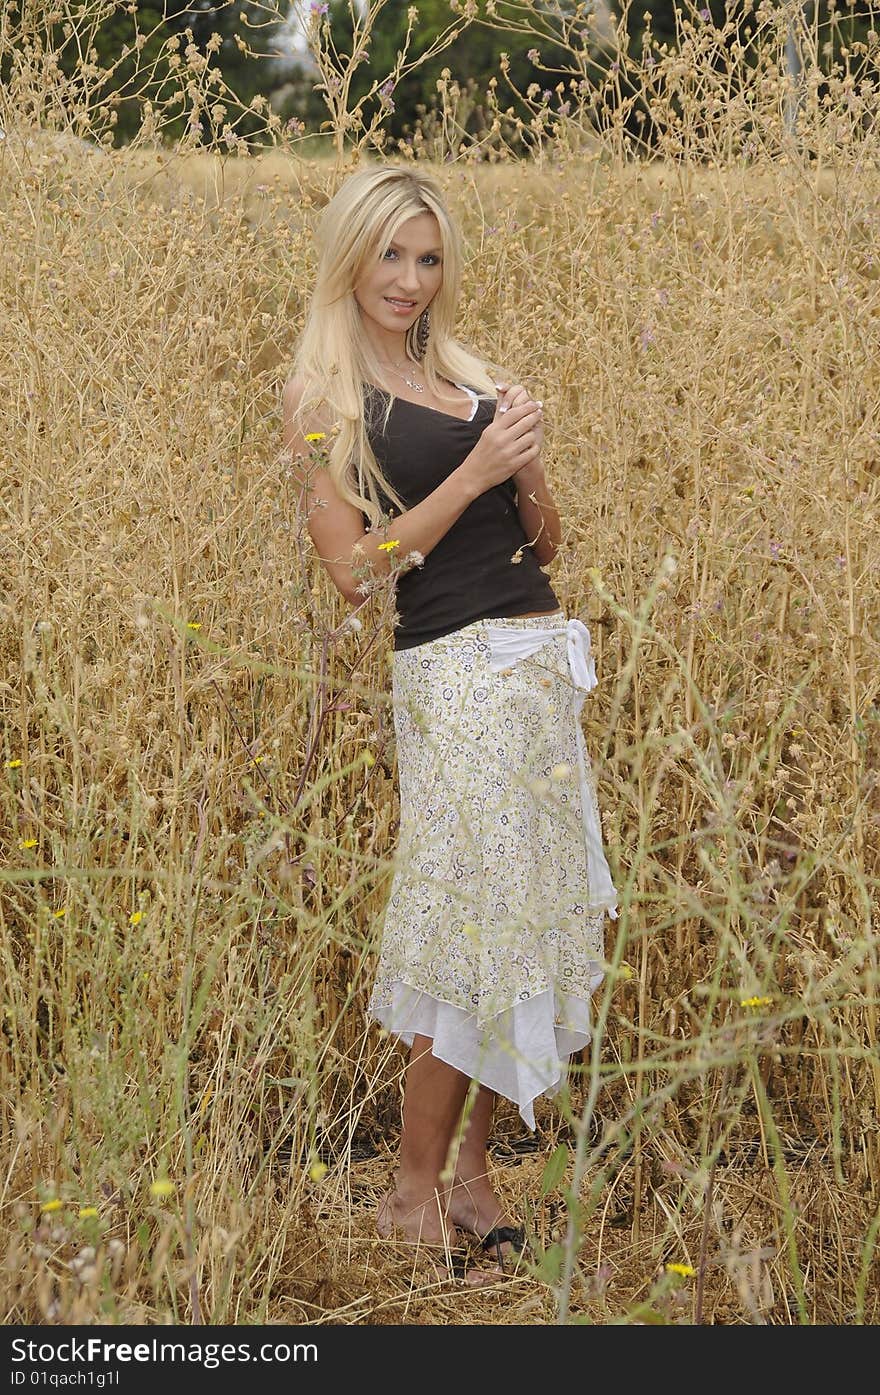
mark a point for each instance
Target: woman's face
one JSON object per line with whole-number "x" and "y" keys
{"x": 409, "y": 270}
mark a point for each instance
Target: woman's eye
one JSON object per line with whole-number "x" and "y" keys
{"x": 428, "y": 257}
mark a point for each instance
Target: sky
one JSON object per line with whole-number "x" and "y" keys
{"x": 291, "y": 36}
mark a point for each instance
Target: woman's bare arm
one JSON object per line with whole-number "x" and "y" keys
{"x": 336, "y": 527}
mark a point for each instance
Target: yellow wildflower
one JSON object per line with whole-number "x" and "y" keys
{"x": 316, "y": 435}
{"x": 369, "y": 758}
{"x": 135, "y": 918}
{"x": 684, "y": 1270}
{"x": 161, "y": 1188}
{"x": 625, "y": 971}
{"x": 755, "y": 1002}
{"x": 318, "y": 1171}
{"x": 27, "y": 843}
{"x": 88, "y": 1213}
{"x": 56, "y": 1204}
{"x": 193, "y": 624}
{"x": 389, "y": 546}
{"x": 56, "y": 915}
{"x": 257, "y": 759}
{"x": 13, "y": 764}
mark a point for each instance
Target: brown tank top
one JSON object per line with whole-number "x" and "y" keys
{"x": 471, "y": 573}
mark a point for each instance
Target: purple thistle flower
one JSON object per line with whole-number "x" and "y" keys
{"x": 775, "y": 549}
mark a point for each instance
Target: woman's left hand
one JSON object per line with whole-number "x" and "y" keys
{"x": 513, "y": 395}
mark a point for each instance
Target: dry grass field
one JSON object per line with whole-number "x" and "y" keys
{"x": 197, "y": 783}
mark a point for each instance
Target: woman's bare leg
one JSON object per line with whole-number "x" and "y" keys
{"x": 433, "y": 1096}
{"x": 472, "y": 1202}
{"x": 434, "y": 1093}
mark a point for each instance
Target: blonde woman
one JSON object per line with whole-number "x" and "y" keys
{"x": 492, "y": 936}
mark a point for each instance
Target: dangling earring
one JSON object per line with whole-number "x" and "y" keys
{"x": 423, "y": 332}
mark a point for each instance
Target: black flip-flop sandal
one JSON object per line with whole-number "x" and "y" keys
{"x": 458, "y": 1265}
{"x": 505, "y": 1235}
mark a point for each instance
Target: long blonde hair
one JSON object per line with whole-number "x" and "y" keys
{"x": 334, "y": 356}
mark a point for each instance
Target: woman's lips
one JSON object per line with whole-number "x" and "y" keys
{"x": 401, "y": 308}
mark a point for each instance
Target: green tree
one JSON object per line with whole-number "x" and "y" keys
{"x": 473, "y": 59}
{"x": 813, "y": 26}
{"x": 114, "y": 56}
{"x": 836, "y": 29}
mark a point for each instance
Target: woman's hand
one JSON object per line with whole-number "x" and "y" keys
{"x": 508, "y": 444}
{"x": 513, "y": 396}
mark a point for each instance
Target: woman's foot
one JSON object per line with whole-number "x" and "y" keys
{"x": 474, "y": 1206}
{"x": 422, "y": 1224}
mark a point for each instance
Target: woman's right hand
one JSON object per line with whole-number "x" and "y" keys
{"x": 506, "y": 445}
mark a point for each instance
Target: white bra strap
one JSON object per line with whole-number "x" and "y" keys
{"x": 472, "y": 395}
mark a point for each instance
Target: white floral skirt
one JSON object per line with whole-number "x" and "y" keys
{"x": 492, "y": 935}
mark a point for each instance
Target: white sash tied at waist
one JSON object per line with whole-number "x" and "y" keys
{"x": 507, "y": 646}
